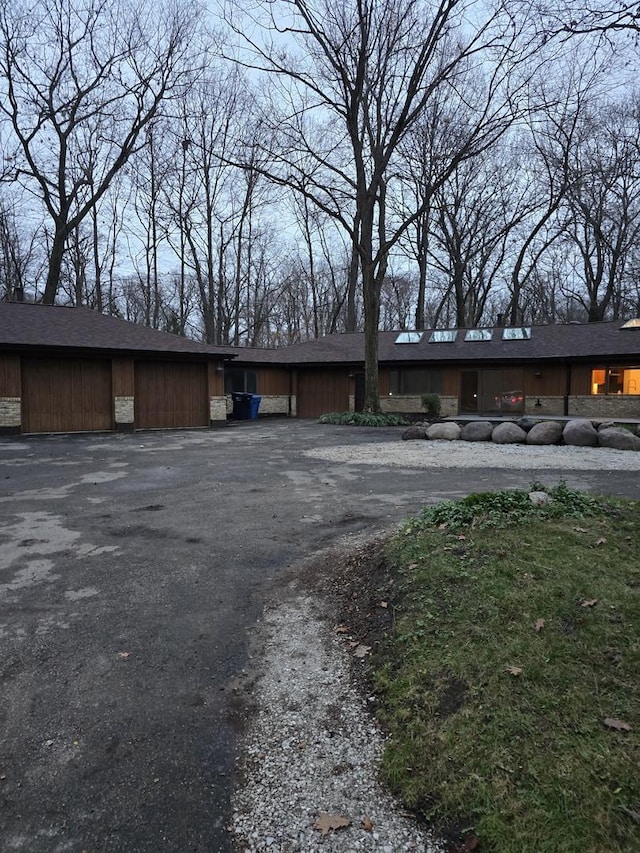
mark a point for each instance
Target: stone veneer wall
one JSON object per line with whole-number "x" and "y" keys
{"x": 274, "y": 405}
{"x": 124, "y": 412}
{"x": 269, "y": 405}
{"x": 395, "y": 403}
{"x": 10, "y": 413}
{"x": 218, "y": 408}
{"x": 605, "y": 406}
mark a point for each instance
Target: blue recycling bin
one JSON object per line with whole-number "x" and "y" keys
{"x": 254, "y": 405}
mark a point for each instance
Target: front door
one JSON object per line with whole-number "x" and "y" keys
{"x": 469, "y": 392}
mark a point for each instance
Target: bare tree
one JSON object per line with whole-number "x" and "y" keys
{"x": 79, "y": 84}
{"x": 604, "y": 200}
{"x": 350, "y": 80}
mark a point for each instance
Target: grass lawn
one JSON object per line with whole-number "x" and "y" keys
{"x": 509, "y": 682}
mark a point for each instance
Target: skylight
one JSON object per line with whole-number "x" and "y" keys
{"x": 409, "y": 338}
{"x": 441, "y": 336}
{"x": 478, "y": 335}
{"x": 517, "y": 333}
{"x": 631, "y": 324}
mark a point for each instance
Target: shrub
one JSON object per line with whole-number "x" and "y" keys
{"x": 362, "y": 419}
{"x": 431, "y": 404}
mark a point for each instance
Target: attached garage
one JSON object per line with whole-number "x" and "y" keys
{"x": 322, "y": 391}
{"x": 66, "y": 395}
{"x": 66, "y": 369}
{"x": 170, "y": 395}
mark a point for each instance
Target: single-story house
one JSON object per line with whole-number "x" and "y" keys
{"x": 72, "y": 369}
{"x": 582, "y": 370}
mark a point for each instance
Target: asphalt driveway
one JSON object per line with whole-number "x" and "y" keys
{"x": 131, "y": 568}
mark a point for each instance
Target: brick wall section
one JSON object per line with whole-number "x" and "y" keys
{"x": 548, "y": 405}
{"x": 607, "y": 406}
{"x": 10, "y": 415}
{"x": 123, "y": 408}
{"x": 412, "y": 405}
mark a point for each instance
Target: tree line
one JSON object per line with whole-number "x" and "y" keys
{"x": 269, "y": 174}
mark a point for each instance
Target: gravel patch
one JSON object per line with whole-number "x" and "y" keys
{"x": 465, "y": 454}
{"x": 312, "y": 747}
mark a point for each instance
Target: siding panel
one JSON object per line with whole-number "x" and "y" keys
{"x": 171, "y": 395}
{"x": 322, "y": 391}
{"x": 66, "y": 395}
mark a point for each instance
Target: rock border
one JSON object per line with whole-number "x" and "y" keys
{"x": 577, "y": 432}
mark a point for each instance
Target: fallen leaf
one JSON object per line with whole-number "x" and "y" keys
{"x": 341, "y": 629}
{"x": 513, "y": 670}
{"x": 367, "y": 823}
{"x": 124, "y": 654}
{"x": 601, "y": 541}
{"x": 384, "y": 604}
{"x": 362, "y": 651}
{"x": 588, "y": 602}
{"x": 412, "y": 566}
{"x": 539, "y": 624}
{"x": 327, "y": 822}
{"x": 618, "y": 725}
{"x": 461, "y": 537}
{"x": 580, "y": 530}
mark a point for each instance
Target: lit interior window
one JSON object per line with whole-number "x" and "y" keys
{"x": 478, "y": 335}
{"x": 409, "y": 338}
{"x": 442, "y": 336}
{"x": 616, "y": 380}
{"x": 517, "y": 333}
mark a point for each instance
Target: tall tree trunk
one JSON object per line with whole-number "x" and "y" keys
{"x": 55, "y": 264}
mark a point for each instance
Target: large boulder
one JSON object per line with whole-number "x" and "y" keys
{"x": 547, "y": 432}
{"x": 580, "y": 433}
{"x": 618, "y": 438}
{"x": 477, "y": 431}
{"x": 508, "y": 433}
{"x": 414, "y": 432}
{"x": 447, "y": 431}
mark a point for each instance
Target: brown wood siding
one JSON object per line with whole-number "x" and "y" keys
{"x": 123, "y": 377}
{"x": 321, "y": 391}
{"x": 273, "y": 381}
{"x": 170, "y": 395}
{"x": 581, "y": 378}
{"x": 66, "y": 395}
{"x": 9, "y": 375}
{"x": 551, "y": 382}
{"x": 450, "y": 381}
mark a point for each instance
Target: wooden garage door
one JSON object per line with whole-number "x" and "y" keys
{"x": 169, "y": 394}
{"x": 322, "y": 391}
{"x": 66, "y": 395}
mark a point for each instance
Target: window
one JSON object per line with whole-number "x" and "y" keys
{"x": 409, "y": 338}
{"x": 478, "y": 335}
{"x": 615, "y": 380}
{"x": 517, "y": 333}
{"x": 441, "y": 336}
{"x": 415, "y": 381}
{"x": 239, "y": 379}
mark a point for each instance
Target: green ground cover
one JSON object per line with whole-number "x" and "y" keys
{"x": 509, "y": 683}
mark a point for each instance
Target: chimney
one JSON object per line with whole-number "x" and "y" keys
{"x": 500, "y": 320}
{"x": 18, "y": 293}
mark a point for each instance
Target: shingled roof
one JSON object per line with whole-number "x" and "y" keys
{"x": 26, "y": 325}
{"x": 559, "y": 342}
